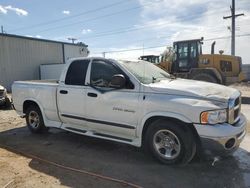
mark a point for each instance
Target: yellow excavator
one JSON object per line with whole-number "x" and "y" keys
{"x": 185, "y": 60}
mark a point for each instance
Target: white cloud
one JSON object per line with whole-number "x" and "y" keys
{"x": 18, "y": 11}
{"x": 31, "y": 36}
{"x": 183, "y": 20}
{"x": 86, "y": 31}
{"x": 3, "y": 10}
{"x": 173, "y": 20}
{"x": 67, "y": 12}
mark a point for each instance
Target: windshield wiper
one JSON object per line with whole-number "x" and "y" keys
{"x": 172, "y": 77}
{"x": 158, "y": 78}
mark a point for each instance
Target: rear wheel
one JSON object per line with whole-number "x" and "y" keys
{"x": 34, "y": 120}
{"x": 205, "y": 77}
{"x": 170, "y": 142}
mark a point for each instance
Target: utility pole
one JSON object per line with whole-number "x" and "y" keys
{"x": 2, "y": 31}
{"x": 104, "y": 54}
{"x": 143, "y": 49}
{"x": 72, "y": 39}
{"x": 233, "y": 16}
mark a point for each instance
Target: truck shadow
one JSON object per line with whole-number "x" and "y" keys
{"x": 119, "y": 161}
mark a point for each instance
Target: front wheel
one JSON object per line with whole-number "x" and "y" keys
{"x": 170, "y": 142}
{"x": 205, "y": 77}
{"x": 34, "y": 120}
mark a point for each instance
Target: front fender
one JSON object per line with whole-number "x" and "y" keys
{"x": 161, "y": 114}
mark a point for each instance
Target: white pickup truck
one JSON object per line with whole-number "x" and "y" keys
{"x": 137, "y": 103}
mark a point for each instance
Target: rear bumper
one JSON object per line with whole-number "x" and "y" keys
{"x": 222, "y": 139}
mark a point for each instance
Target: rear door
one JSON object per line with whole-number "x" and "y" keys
{"x": 71, "y": 96}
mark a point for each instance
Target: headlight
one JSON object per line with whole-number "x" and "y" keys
{"x": 214, "y": 117}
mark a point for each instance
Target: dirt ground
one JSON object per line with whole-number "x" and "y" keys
{"x": 62, "y": 159}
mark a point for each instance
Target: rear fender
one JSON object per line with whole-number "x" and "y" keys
{"x": 47, "y": 122}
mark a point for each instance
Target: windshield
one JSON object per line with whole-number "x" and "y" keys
{"x": 145, "y": 72}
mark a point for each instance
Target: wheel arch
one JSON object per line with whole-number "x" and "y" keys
{"x": 186, "y": 122}
{"x": 29, "y": 102}
{"x": 211, "y": 71}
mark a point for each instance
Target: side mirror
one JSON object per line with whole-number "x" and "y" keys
{"x": 118, "y": 81}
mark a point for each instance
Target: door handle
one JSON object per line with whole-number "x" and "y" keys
{"x": 63, "y": 92}
{"x": 92, "y": 94}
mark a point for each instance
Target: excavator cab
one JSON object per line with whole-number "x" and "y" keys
{"x": 186, "y": 55}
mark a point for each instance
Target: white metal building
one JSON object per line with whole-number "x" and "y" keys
{"x": 21, "y": 57}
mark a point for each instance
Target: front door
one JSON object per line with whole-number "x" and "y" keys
{"x": 111, "y": 111}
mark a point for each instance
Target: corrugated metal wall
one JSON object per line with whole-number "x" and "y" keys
{"x": 21, "y": 57}
{"x": 246, "y": 70}
{"x": 74, "y": 51}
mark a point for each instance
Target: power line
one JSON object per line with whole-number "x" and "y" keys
{"x": 131, "y": 29}
{"x": 99, "y": 17}
{"x": 115, "y": 13}
{"x": 151, "y": 47}
{"x": 107, "y": 15}
{"x": 70, "y": 17}
{"x": 124, "y": 31}
{"x": 80, "y": 14}
{"x": 165, "y": 37}
{"x": 121, "y": 32}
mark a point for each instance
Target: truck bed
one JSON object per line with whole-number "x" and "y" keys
{"x": 41, "y": 91}
{"x": 49, "y": 82}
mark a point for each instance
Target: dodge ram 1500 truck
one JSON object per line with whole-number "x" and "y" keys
{"x": 137, "y": 103}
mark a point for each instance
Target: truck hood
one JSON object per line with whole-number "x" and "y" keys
{"x": 193, "y": 88}
{"x": 1, "y": 87}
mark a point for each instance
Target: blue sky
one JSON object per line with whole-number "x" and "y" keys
{"x": 115, "y": 25}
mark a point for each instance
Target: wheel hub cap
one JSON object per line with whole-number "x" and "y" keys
{"x": 167, "y": 144}
{"x": 34, "y": 119}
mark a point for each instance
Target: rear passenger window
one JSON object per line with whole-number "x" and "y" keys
{"x": 77, "y": 73}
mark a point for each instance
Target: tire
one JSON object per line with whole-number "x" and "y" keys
{"x": 7, "y": 104}
{"x": 34, "y": 120}
{"x": 170, "y": 142}
{"x": 205, "y": 77}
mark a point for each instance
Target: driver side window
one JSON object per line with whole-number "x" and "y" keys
{"x": 102, "y": 73}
